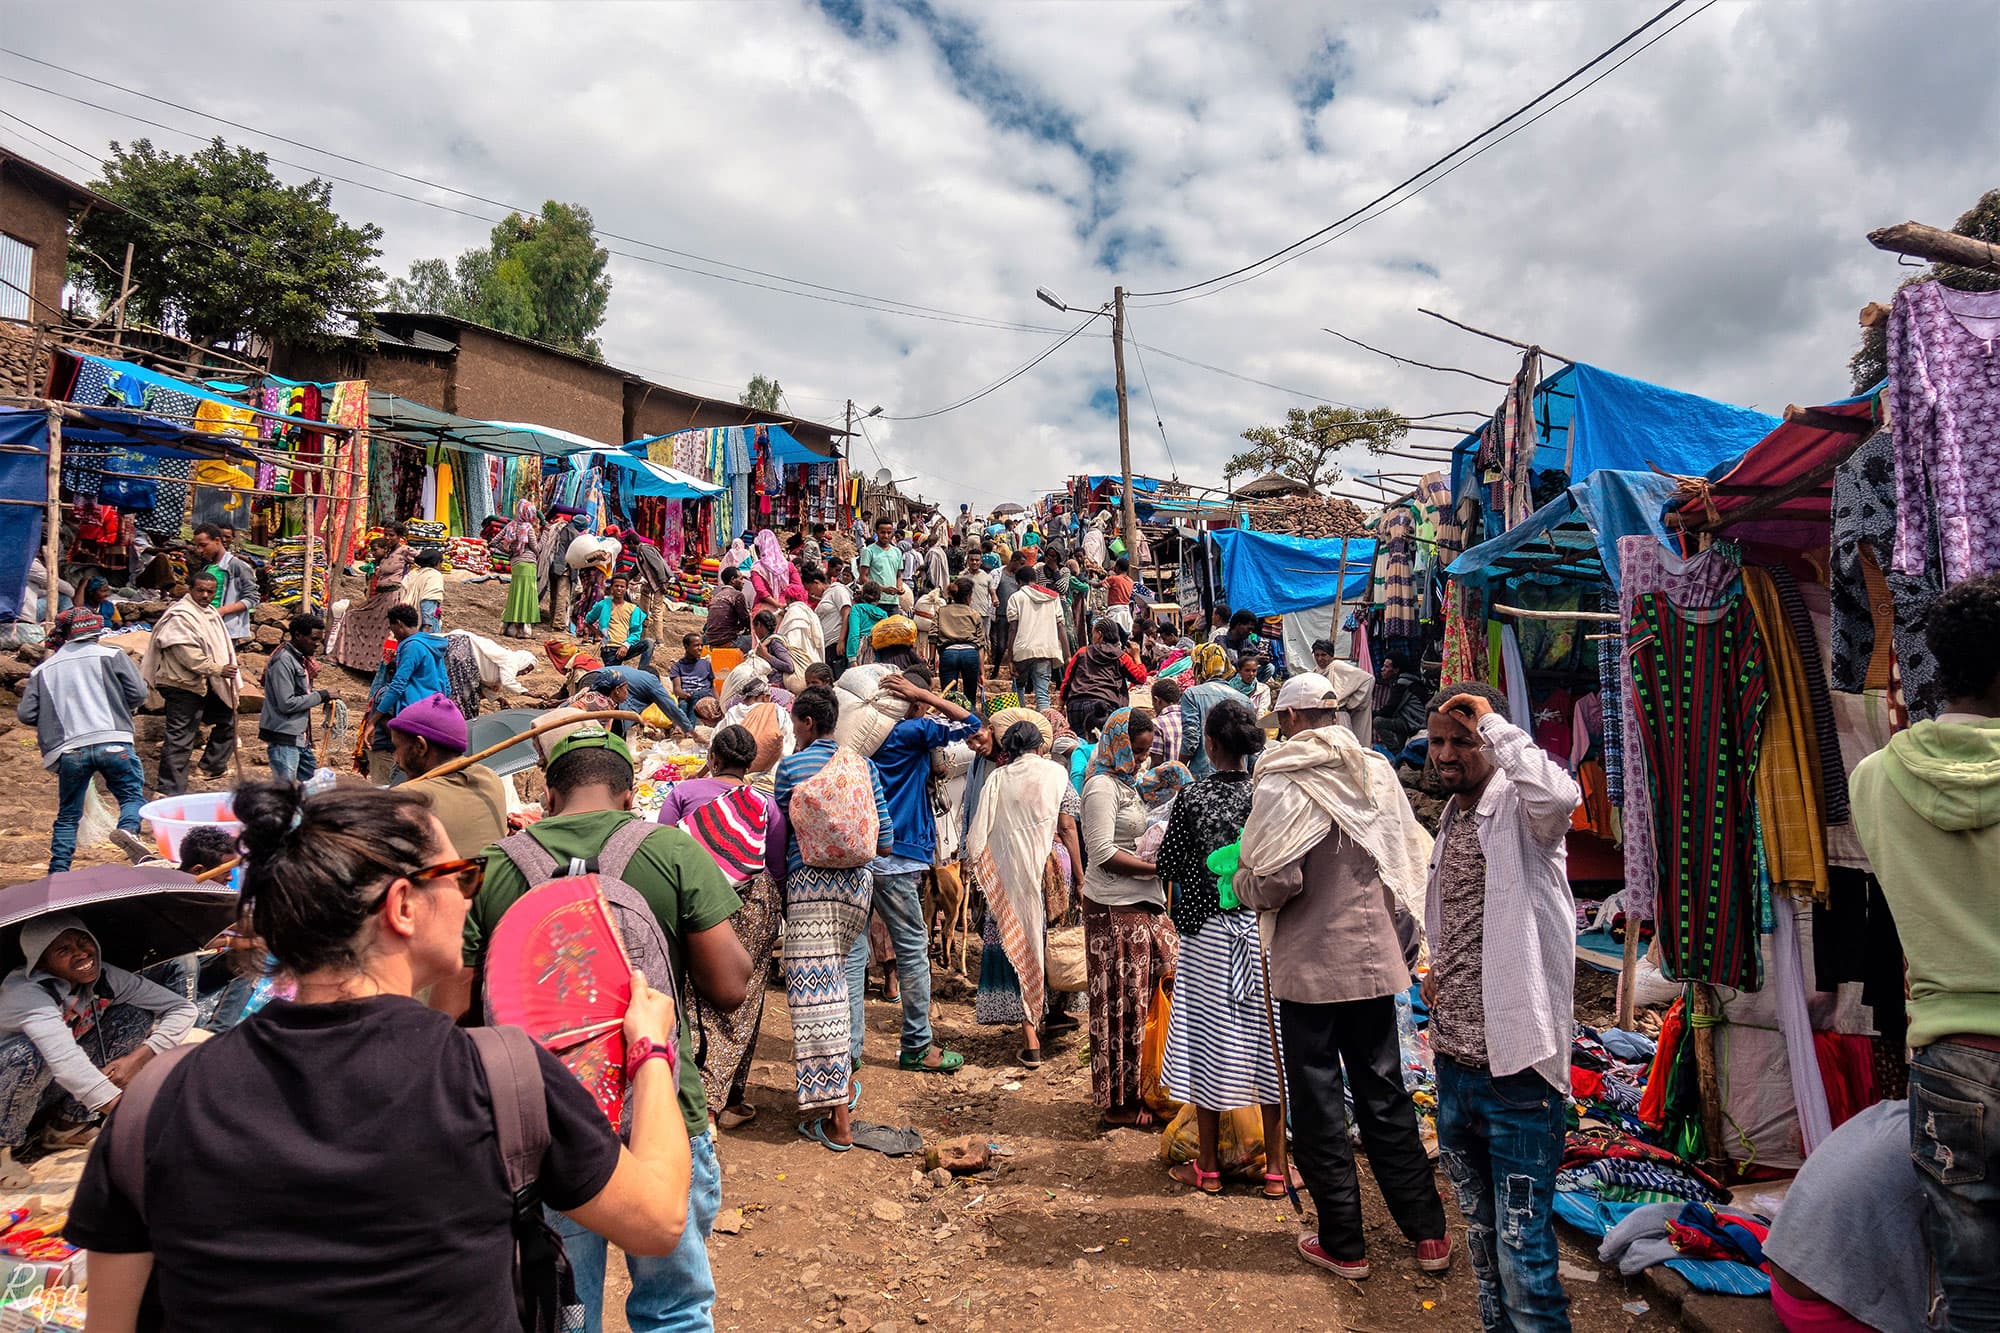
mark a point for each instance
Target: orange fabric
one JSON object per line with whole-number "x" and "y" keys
{"x": 1653, "y": 1102}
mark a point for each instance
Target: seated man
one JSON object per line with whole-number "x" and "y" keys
{"x": 618, "y": 623}
{"x": 73, "y": 1033}
{"x": 629, "y": 687}
{"x": 691, "y": 674}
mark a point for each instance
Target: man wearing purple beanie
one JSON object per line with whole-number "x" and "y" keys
{"x": 472, "y": 802}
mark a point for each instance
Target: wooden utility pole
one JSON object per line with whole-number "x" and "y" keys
{"x": 52, "y": 517}
{"x": 124, "y": 295}
{"x": 1131, "y": 515}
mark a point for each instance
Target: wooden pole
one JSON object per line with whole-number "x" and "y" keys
{"x": 124, "y": 295}
{"x": 1706, "y": 1007}
{"x": 1131, "y": 514}
{"x": 1628, "y": 976}
{"x": 1940, "y": 247}
{"x": 1340, "y": 600}
{"x": 1511, "y": 342}
{"x": 1420, "y": 365}
{"x": 52, "y": 518}
{"x": 312, "y": 536}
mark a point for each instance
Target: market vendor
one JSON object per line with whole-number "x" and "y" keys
{"x": 617, "y": 622}
{"x": 629, "y": 687}
{"x": 73, "y": 1032}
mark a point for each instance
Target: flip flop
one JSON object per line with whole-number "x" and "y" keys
{"x": 815, "y": 1129}
{"x": 1029, "y": 1059}
{"x": 731, "y": 1119}
{"x": 854, "y": 1097}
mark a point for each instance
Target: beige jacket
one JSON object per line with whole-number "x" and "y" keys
{"x": 190, "y": 650}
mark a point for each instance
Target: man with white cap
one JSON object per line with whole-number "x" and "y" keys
{"x": 73, "y": 1029}
{"x": 1333, "y": 854}
{"x": 80, "y": 701}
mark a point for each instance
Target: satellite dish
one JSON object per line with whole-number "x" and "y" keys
{"x": 883, "y": 476}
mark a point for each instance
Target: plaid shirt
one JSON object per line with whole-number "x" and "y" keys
{"x": 1167, "y": 734}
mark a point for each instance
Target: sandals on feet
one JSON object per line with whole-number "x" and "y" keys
{"x": 731, "y": 1118}
{"x": 1274, "y": 1184}
{"x": 815, "y": 1129}
{"x": 1029, "y": 1059}
{"x": 948, "y": 1062}
{"x": 1191, "y": 1174}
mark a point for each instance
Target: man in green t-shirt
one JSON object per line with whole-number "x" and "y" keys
{"x": 589, "y": 798}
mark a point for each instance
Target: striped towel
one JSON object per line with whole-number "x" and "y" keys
{"x": 731, "y": 829}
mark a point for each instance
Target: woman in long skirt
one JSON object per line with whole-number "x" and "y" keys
{"x": 743, "y": 829}
{"x": 357, "y": 643}
{"x": 1220, "y": 1053}
{"x": 518, "y": 543}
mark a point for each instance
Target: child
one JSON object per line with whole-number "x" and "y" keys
{"x": 691, "y": 674}
{"x": 423, "y": 588}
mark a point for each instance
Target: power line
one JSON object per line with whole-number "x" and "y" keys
{"x": 1002, "y": 382}
{"x": 883, "y": 304}
{"x": 1567, "y": 79}
{"x": 1151, "y": 400}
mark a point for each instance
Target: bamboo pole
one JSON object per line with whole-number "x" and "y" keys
{"x": 1521, "y": 613}
{"x": 52, "y": 519}
{"x": 1421, "y": 365}
{"x": 1499, "y": 338}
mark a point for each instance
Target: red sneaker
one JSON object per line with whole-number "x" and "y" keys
{"x": 1352, "y": 1269}
{"x": 1434, "y": 1256}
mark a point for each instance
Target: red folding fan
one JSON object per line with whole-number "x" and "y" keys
{"x": 556, "y": 967}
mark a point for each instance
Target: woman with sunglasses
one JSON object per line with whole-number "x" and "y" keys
{"x": 332, "y": 1161}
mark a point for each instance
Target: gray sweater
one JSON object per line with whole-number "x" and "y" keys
{"x": 288, "y": 698}
{"x": 28, "y": 1009}
{"x": 239, "y": 585}
{"x": 81, "y": 695}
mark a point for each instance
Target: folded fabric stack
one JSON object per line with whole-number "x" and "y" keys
{"x": 287, "y": 569}
{"x": 468, "y": 555}
{"x": 689, "y": 589}
{"x": 425, "y": 530}
{"x": 1715, "y": 1251}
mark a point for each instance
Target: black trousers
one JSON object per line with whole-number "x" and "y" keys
{"x": 1319, "y": 1039}
{"x": 187, "y": 714}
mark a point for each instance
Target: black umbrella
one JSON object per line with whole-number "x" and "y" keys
{"x": 140, "y": 914}
{"x": 1009, "y": 508}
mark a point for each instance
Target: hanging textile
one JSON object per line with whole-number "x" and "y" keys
{"x": 1826, "y": 733}
{"x": 348, "y": 406}
{"x": 1944, "y": 382}
{"x": 1465, "y": 652}
{"x": 1397, "y": 588}
{"x": 1864, "y": 597}
{"x": 1699, "y": 679}
{"x": 1791, "y": 807}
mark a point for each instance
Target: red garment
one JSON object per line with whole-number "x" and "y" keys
{"x": 1847, "y": 1068}
{"x": 1584, "y": 1084}
{"x": 1117, "y": 590}
{"x": 1653, "y": 1103}
{"x": 1800, "y": 1315}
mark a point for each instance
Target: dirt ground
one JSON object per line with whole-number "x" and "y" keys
{"x": 1070, "y": 1230}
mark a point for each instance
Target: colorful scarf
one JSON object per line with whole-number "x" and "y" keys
{"x": 1114, "y": 756}
{"x": 1211, "y": 662}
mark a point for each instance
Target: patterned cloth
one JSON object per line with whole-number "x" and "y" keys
{"x": 1701, "y": 696}
{"x": 461, "y": 673}
{"x": 1944, "y": 396}
{"x": 1114, "y": 756}
{"x": 825, "y": 912}
{"x": 1458, "y": 1014}
{"x": 1219, "y": 1051}
{"x": 1791, "y": 805}
{"x": 1832, "y": 772}
{"x": 1208, "y": 815}
{"x": 1864, "y": 527}
{"x": 731, "y": 1035}
{"x": 1127, "y": 950}
{"x": 1697, "y": 583}
{"x": 1398, "y": 587}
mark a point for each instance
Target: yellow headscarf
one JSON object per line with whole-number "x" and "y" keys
{"x": 1210, "y": 662}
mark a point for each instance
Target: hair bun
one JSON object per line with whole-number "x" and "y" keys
{"x": 269, "y": 812}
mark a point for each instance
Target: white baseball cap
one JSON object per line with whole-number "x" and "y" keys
{"x": 1308, "y": 690}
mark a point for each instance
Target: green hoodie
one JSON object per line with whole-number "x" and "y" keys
{"x": 1927, "y": 809}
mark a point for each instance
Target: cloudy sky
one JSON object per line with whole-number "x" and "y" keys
{"x": 1696, "y": 218}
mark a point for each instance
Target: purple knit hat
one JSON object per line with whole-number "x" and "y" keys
{"x": 434, "y": 718}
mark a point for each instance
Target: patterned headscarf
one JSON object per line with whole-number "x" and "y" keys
{"x": 989, "y": 561}
{"x": 1163, "y": 782}
{"x": 1114, "y": 755}
{"x": 524, "y": 533}
{"x": 771, "y": 562}
{"x": 1210, "y": 662}
{"x": 1059, "y": 721}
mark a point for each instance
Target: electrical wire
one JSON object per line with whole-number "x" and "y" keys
{"x": 1000, "y": 383}
{"x": 1152, "y": 401}
{"x": 1516, "y": 114}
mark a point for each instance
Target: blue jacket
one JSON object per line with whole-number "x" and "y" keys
{"x": 904, "y": 761}
{"x": 599, "y": 618}
{"x": 419, "y": 672}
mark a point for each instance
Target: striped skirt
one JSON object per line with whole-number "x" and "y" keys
{"x": 1219, "y": 1046}
{"x": 825, "y": 912}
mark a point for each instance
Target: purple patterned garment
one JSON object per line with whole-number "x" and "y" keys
{"x": 1944, "y": 396}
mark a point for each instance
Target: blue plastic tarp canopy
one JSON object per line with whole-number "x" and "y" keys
{"x": 1140, "y": 485}
{"x": 1271, "y": 574}
{"x": 646, "y": 478}
{"x": 786, "y": 448}
{"x": 1613, "y": 504}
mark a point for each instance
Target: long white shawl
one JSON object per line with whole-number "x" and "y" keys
{"x": 1012, "y": 834}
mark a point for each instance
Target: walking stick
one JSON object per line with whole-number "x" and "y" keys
{"x": 1284, "y": 1100}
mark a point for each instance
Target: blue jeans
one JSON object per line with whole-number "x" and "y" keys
{"x": 901, "y": 907}
{"x": 1034, "y": 673}
{"x": 28, "y": 1086}
{"x": 670, "y": 1293}
{"x": 295, "y": 762}
{"x": 1501, "y": 1140}
{"x": 123, "y": 774}
{"x": 960, "y": 663}
{"x": 1955, "y": 1142}
{"x": 431, "y": 616}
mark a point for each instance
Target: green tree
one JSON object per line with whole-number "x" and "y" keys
{"x": 761, "y": 393}
{"x": 222, "y": 250}
{"x": 1304, "y": 445}
{"x": 542, "y": 278}
{"x": 1871, "y": 363}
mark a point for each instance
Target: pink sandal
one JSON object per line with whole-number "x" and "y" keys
{"x": 1191, "y": 1174}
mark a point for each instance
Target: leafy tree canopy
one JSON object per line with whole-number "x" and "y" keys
{"x": 222, "y": 250}
{"x": 761, "y": 393}
{"x": 542, "y": 278}
{"x": 1981, "y": 221}
{"x": 1303, "y": 446}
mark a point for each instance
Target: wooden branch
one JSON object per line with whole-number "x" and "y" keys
{"x": 1520, "y": 613}
{"x": 1511, "y": 342}
{"x": 1940, "y": 247}
{"x": 1818, "y": 420}
{"x": 1421, "y": 365}
{"x": 1874, "y": 315}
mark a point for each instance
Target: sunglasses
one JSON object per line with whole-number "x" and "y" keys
{"x": 469, "y": 873}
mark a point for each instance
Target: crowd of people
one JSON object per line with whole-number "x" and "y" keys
{"x": 1134, "y": 806}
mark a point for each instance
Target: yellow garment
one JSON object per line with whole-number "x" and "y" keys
{"x": 442, "y": 514}
{"x": 1791, "y": 807}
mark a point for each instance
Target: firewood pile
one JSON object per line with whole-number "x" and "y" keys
{"x": 1309, "y": 516}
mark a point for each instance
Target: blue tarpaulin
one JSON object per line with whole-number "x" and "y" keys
{"x": 786, "y": 448}
{"x": 1270, "y": 574}
{"x": 1140, "y": 485}
{"x": 1614, "y": 504}
{"x": 644, "y": 478}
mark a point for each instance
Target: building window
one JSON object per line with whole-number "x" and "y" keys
{"x": 17, "y": 278}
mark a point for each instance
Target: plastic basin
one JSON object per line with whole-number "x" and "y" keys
{"x": 172, "y": 817}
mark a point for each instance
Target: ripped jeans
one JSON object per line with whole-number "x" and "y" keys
{"x": 1955, "y": 1142}
{"x": 1501, "y": 1140}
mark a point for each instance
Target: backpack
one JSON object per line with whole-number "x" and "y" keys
{"x": 544, "y": 1286}
{"x": 833, "y": 814}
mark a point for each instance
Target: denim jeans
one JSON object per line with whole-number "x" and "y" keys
{"x": 1034, "y": 673}
{"x": 901, "y": 907}
{"x": 960, "y": 662}
{"x": 430, "y": 616}
{"x": 296, "y": 762}
{"x": 27, "y": 1087}
{"x": 123, "y": 774}
{"x": 1501, "y": 1140}
{"x": 1955, "y": 1142}
{"x": 639, "y": 654}
{"x": 672, "y": 1293}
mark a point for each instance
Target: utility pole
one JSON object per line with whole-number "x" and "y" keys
{"x": 124, "y": 295}
{"x": 847, "y": 442}
{"x": 1131, "y": 515}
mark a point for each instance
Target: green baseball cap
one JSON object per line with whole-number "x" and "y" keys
{"x": 590, "y": 736}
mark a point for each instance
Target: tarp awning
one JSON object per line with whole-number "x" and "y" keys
{"x": 1140, "y": 485}
{"x": 644, "y": 478}
{"x": 130, "y": 382}
{"x": 401, "y": 419}
{"x": 1611, "y": 504}
{"x": 786, "y": 448}
{"x": 1271, "y": 574}
{"x": 1797, "y": 457}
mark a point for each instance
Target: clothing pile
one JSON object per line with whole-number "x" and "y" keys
{"x": 424, "y": 530}
{"x": 287, "y": 571}
{"x": 468, "y": 555}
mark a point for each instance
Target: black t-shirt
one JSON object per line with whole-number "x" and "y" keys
{"x": 335, "y": 1166}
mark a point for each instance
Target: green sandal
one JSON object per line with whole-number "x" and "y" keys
{"x": 949, "y": 1062}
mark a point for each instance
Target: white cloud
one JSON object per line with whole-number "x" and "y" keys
{"x": 1696, "y": 219}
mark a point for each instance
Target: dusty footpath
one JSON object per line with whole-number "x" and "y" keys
{"x": 1069, "y": 1230}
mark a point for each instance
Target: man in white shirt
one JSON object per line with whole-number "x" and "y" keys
{"x": 1499, "y": 891}
{"x": 1034, "y": 617}
{"x": 831, "y": 602}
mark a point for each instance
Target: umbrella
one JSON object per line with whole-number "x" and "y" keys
{"x": 1010, "y": 508}
{"x": 140, "y": 914}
